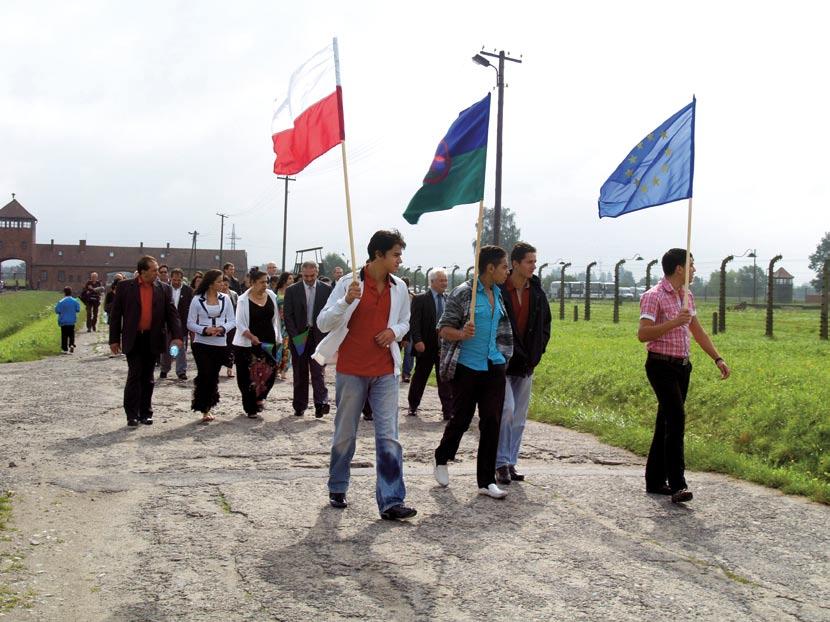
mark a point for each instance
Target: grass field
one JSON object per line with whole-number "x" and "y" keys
{"x": 768, "y": 423}
{"x": 29, "y": 327}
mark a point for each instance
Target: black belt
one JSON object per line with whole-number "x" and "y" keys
{"x": 676, "y": 360}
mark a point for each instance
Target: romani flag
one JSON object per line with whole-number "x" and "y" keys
{"x": 456, "y": 175}
{"x": 309, "y": 120}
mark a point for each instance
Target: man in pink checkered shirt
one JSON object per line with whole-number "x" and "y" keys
{"x": 666, "y": 326}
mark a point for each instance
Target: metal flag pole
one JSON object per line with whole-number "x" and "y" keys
{"x": 345, "y": 165}
{"x": 479, "y": 228}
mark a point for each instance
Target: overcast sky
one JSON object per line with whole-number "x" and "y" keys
{"x": 126, "y": 122}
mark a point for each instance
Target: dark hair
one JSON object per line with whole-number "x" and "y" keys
{"x": 226, "y": 278}
{"x": 490, "y": 255}
{"x": 227, "y": 265}
{"x": 144, "y": 263}
{"x": 520, "y": 249}
{"x": 254, "y": 274}
{"x": 198, "y": 273}
{"x": 176, "y": 271}
{"x": 383, "y": 241}
{"x": 282, "y": 280}
{"x": 674, "y": 257}
{"x": 211, "y": 276}
{"x": 67, "y": 291}
{"x": 164, "y": 265}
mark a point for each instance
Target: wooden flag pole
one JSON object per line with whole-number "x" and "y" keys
{"x": 479, "y": 227}
{"x": 688, "y": 256}
{"x": 349, "y": 209}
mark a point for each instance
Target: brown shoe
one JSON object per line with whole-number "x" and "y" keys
{"x": 515, "y": 475}
{"x": 503, "y": 476}
{"x": 681, "y": 496}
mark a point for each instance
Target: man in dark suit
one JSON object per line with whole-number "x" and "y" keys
{"x": 182, "y": 295}
{"x": 142, "y": 309}
{"x": 229, "y": 270}
{"x": 426, "y": 310}
{"x": 303, "y": 302}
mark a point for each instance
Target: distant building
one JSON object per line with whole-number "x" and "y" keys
{"x": 782, "y": 283}
{"x": 54, "y": 266}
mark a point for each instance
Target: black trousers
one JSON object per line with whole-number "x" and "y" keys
{"x": 670, "y": 382}
{"x": 424, "y": 364}
{"x": 92, "y": 317}
{"x": 302, "y": 365}
{"x": 67, "y": 337}
{"x": 243, "y": 357}
{"x": 209, "y": 362}
{"x": 138, "y": 392}
{"x": 484, "y": 389}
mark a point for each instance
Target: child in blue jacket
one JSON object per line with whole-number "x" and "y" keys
{"x": 67, "y": 309}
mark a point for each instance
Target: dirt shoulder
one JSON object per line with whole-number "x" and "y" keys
{"x": 230, "y": 521}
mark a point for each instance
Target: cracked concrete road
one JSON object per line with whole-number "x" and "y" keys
{"x": 230, "y": 521}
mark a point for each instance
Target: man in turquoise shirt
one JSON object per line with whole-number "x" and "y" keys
{"x": 474, "y": 356}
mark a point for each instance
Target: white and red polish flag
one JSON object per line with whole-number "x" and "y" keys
{"x": 309, "y": 120}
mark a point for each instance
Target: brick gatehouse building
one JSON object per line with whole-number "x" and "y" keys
{"x": 54, "y": 266}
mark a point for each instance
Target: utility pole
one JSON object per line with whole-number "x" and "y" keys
{"x": 478, "y": 58}
{"x": 233, "y": 237}
{"x": 221, "y": 235}
{"x": 191, "y": 263}
{"x": 285, "y": 217}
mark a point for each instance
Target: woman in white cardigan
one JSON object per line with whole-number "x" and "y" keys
{"x": 257, "y": 323}
{"x": 209, "y": 319}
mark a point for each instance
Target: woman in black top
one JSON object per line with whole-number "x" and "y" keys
{"x": 257, "y": 323}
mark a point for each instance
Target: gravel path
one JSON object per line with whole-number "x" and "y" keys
{"x": 230, "y": 521}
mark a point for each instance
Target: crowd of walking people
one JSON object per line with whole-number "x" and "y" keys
{"x": 483, "y": 341}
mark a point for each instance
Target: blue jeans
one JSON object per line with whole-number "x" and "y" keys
{"x": 513, "y": 419}
{"x": 407, "y": 360}
{"x": 351, "y": 394}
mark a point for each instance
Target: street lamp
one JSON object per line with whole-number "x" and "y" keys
{"x": 722, "y": 294}
{"x": 452, "y": 277}
{"x": 415, "y": 279}
{"x": 562, "y": 288}
{"x": 588, "y": 290}
{"x": 651, "y": 263}
{"x": 617, "y": 266}
{"x": 480, "y": 60}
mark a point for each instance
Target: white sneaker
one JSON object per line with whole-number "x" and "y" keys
{"x": 493, "y": 491}
{"x": 442, "y": 475}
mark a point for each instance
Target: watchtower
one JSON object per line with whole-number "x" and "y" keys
{"x": 17, "y": 235}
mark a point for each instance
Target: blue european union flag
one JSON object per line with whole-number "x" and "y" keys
{"x": 659, "y": 170}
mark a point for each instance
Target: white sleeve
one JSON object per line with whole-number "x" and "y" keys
{"x": 333, "y": 315}
{"x": 193, "y": 317}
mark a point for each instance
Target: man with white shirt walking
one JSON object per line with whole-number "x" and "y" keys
{"x": 303, "y": 302}
{"x": 367, "y": 315}
{"x": 182, "y": 296}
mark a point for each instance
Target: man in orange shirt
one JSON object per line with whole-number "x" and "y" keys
{"x": 365, "y": 317}
{"x": 142, "y": 309}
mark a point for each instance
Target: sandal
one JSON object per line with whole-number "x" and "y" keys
{"x": 207, "y": 417}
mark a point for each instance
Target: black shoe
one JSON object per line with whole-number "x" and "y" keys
{"x": 318, "y": 411}
{"x": 326, "y": 408}
{"x": 162, "y": 374}
{"x": 658, "y": 490}
{"x": 133, "y": 423}
{"x": 338, "y": 500}
{"x": 182, "y": 376}
{"x": 404, "y": 378}
{"x": 515, "y": 475}
{"x": 412, "y": 412}
{"x": 299, "y": 413}
{"x": 368, "y": 417}
{"x": 503, "y": 476}
{"x": 146, "y": 421}
{"x": 398, "y": 512}
{"x": 681, "y": 496}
